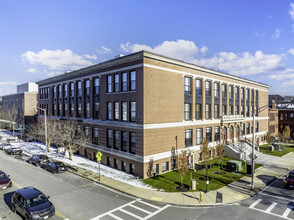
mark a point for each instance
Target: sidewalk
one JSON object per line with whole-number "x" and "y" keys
{"x": 231, "y": 193}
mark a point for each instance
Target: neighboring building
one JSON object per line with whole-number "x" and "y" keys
{"x": 0, "y": 107}
{"x": 273, "y": 119}
{"x": 286, "y": 116}
{"x": 20, "y": 107}
{"x": 142, "y": 109}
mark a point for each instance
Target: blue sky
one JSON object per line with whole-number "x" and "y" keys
{"x": 252, "y": 39}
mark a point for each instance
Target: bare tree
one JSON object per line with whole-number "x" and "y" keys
{"x": 286, "y": 133}
{"x": 150, "y": 168}
{"x": 37, "y": 131}
{"x": 70, "y": 138}
{"x": 182, "y": 165}
{"x": 219, "y": 154}
{"x": 13, "y": 115}
{"x": 205, "y": 158}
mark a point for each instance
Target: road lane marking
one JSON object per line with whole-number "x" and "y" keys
{"x": 156, "y": 207}
{"x": 269, "y": 209}
{"x": 59, "y": 215}
{"x": 254, "y": 204}
{"x": 16, "y": 184}
{"x": 114, "y": 216}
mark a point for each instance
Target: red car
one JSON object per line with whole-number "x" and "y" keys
{"x": 289, "y": 180}
{"x": 5, "y": 181}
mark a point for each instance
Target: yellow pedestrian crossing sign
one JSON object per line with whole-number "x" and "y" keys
{"x": 98, "y": 156}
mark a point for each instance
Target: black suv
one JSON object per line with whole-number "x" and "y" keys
{"x": 38, "y": 159}
{"x": 32, "y": 204}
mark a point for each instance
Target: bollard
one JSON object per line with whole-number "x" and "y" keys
{"x": 201, "y": 196}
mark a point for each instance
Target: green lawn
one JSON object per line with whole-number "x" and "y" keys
{"x": 288, "y": 149}
{"x": 169, "y": 181}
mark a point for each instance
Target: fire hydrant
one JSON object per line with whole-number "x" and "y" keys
{"x": 201, "y": 196}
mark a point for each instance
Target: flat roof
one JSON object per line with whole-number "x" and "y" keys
{"x": 145, "y": 54}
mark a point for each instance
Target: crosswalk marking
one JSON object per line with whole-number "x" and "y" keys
{"x": 286, "y": 213}
{"x": 142, "y": 210}
{"x": 131, "y": 214}
{"x": 114, "y": 216}
{"x": 131, "y": 204}
{"x": 254, "y": 204}
{"x": 269, "y": 209}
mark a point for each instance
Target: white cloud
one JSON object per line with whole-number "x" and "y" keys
{"x": 277, "y": 33}
{"x": 32, "y": 70}
{"x": 7, "y": 88}
{"x": 288, "y": 83}
{"x": 56, "y": 59}
{"x": 243, "y": 64}
{"x": 291, "y": 11}
{"x": 104, "y": 50}
{"x": 90, "y": 57}
{"x": 180, "y": 49}
{"x": 291, "y": 51}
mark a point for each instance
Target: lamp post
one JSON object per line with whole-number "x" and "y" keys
{"x": 253, "y": 142}
{"x": 44, "y": 110}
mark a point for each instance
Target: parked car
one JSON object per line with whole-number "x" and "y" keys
{"x": 5, "y": 181}
{"x": 13, "y": 150}
{"x": 289, "y": 180}
{"x": 38, "y": 160}
{"x": 55, "y": 167}
{"x": 4, "y": 146}
{"x": 32, "y": 204}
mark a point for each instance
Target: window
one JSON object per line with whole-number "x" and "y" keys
{"x": 291, "y": 116}
{"x": 132, "y": 168}
{"x": 116, "y": 140}
{"x": 247, "y": 94}
{"x": 207, "y": 111}
{"x": 198, "y": 111}
{"x": 109, "y": 84}
{"x": 133, "y": 111}
{"x": 95, "y": 135}
{"x": 123, "y": 166}
{"x": 224, "y": 109}
{"x": 216, "y": 133}
{"x": 286, "y": 116}
{"x": 115, "y": 163}
{"x": 109, "y": 138}
{"x": 252, "y": 127}
{"x": 230, "y": 92}
{"x": 208, "y": 134}
{"x": 247, "y": 110}
{"x": 87, "y": 132}
{"x": 248, "y": 128}
{"x": 216, "y": 90}
{"x": 79, "y": 91}
{"x": 164, "y": 166}
{"x": 199, "y": 135}
{"x": 124, "y": 141}
{"x": 243, "y": 129}
{"x": 281, "y": 116}
{"x": 236, "y": 93}
{"x": 59, "y": 91}
{"x": 65, "y": 91}
{"x": 124, "y": 82}
{"x": 124, "y": 111}
{"x": 242, "y": 109}
{"x": 116, "y": 111}
{"x": 133, "y": 80}
{"x": 224, "y": 91}
{"x": 109, "y": 111}
{"x": 87, "y": 87}
{"x": 242, "y": 93}
{"x": 79, "y": 107}
{"x": 96, "y": 86}
{"x": 87, "y": 108}
{"x": 237, "y": 109}
{"x": 230, "y": 109}
{"x": 187, "y": 111}
{"x": 54, "y": 92}
{"x": 116, "y": 82}
{"x": 187, "y": 85}
{"x": 207, "y": 88}
{"x": 72, "y": 89}
{"x": 132, "y": 142}
{"x": 216, "y": 111}
{"x": 96, "y": 98}
{"x": 188, "y": 138}
{"x": 108, "y": 161}
{"x": 198, "y": 87}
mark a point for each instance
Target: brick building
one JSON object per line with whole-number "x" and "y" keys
{"x": 20, "y": 107}
{"x": 142, "y": 109}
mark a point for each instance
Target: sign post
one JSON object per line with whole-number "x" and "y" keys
{"x": 99, "y": 157}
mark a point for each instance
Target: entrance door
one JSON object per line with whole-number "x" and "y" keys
{"x": 231, "y": 134}
{"x": 224, "y": 135}
{"x": 237, "y": 133}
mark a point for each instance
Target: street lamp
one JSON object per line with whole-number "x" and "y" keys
{"x": 253, "y": 143}
{"x": 44, "y": 110}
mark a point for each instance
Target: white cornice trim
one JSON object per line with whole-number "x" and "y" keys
{"x": 209, "y": 78}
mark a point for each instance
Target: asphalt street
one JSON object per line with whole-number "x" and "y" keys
{"x": 77, "y": 198}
